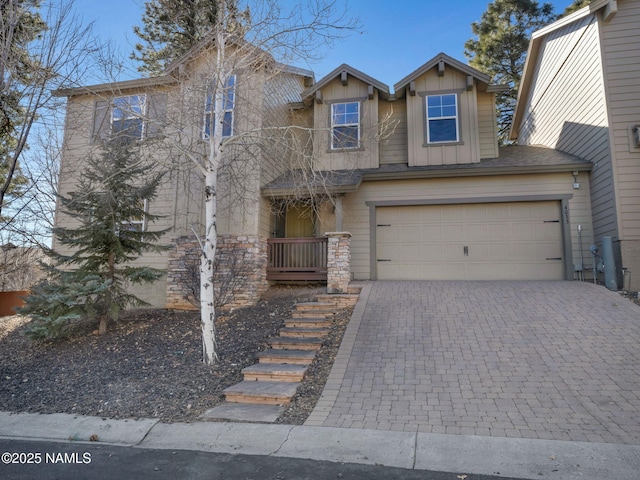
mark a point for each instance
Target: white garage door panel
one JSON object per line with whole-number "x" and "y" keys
{"x": 504, "y": 241}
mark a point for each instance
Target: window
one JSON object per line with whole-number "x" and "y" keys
{"x": 138, "y": 223}
{"x": 127, "y": 116}
{"x": 228, "y": 100}
{"x": 345, "y": 125}
{"x": 442, "y": 118}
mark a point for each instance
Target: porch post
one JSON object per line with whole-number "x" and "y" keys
{"x": 338, "y": 261}
{"x": 338, "y": 214}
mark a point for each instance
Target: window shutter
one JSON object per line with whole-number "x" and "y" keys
{"x": 157, "y": 113}
{"x": 101, "y": 124}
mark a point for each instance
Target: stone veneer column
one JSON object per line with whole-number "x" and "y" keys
{"x": 242, "y": 256}
{"x": 338, "y": 261}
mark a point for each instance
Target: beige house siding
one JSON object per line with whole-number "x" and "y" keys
{"x": 467, "y": 150}
{"x": 393, "y": 146}
{"x": 281, "y": 90}
{"x": 76, "y": 148}
{"x": 365, "y": 157}
{"x": 241, "y": 210}
{"x": 357, "y": 213}
{"x": 487, "y": 125}
{"x": 621, "y": 53}
{"x": 566, "y": 109}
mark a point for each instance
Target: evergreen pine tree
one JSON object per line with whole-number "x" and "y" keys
{"x": 500, "y": 46}
{"x": 171, "y": 27}
{"x": 20, "y": 24}
{"x": 576, "y": 5}
{"x": 107, "y": 216}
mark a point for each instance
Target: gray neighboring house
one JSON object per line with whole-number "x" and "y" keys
{"x": 580, "y": 95}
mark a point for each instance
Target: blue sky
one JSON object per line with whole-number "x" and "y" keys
{"x": 397, "y": 36}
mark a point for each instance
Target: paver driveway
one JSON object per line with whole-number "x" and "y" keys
{"x": 547, "y": 360}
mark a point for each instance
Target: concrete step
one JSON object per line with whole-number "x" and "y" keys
{"x": 303, "y": 332}
{"x": 310, "y": 322}
{"x": 262, "y": 393}
{"x": 340, "y": 300}
{"x": 296, "y": 343}
{"x": 328, "y": 313}
{"x": 313, "y": 309}
{"x": 279, "y": 355}
{"x": 243, "y": 412}
{"x": 274, "y": 372}
{"x": 313, "y": 306}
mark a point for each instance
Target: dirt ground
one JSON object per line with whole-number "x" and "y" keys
{"x": 150, "y": 364}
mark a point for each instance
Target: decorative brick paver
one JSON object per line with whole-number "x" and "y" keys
{"x": 546, "y": 360}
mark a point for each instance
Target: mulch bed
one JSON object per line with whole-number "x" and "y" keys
{"x": 150, "y": 364}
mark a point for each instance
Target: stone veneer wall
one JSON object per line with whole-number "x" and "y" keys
{"x": 241, "y": 271}
{"x": 338, "y": 261}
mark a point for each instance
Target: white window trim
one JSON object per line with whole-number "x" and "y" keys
{"x": 142, "y": 222}
{"x": 129, "y": 114}
{"x": 209, "y": 111}
{"x": 456, "y": 118}
{"x": 333, "y": 125}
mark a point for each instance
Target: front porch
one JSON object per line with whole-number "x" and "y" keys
{"x": 299, "y": 250}
{"x": 297, "y": 259}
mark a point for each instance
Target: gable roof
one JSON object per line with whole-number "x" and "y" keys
{"x": 208, "y": 40}
{"x": 349, "y": 70}
{"x": 400, "y": 87}
{"x": 171, "y": 73}
{"x": 535, "y": 44}
{"x": 116, "y": 87}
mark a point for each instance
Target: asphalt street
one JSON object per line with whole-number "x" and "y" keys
{"x": 76, "y": 461}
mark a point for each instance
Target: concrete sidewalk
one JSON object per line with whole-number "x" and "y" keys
{"x": 512, "y": 457}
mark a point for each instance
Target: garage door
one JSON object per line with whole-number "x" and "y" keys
{"x": 493, "y": 241}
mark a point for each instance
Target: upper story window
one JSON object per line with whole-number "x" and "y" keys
{"x": 127, "y": 116}
{"x": 138, "y": 223}
{"x": 133, "y": 117}
{"x": 345, "y": 125}
{"x": 442, "y": 118}
{"x": 228, "y": 104}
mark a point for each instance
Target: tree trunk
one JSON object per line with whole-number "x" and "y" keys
{"x": 207, "y": 300}
{"x": 213, "y": 161}
{"x": 102, "y": 328}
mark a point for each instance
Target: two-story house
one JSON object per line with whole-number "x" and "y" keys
{"x": 415, "y": 175}
{"x": 579, "y": 94}
{"x": 434, "y": 197}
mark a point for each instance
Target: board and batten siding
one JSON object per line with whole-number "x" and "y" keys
{"x": 566, "y": 110}
{"x": 365, "y": 157}
{"x": 467, "y": 150}
{"x": 356, "y": 212}
{"x": 621, "y": 53}
{"x": 487, "y": 125}
{"x": 393, "y": 145}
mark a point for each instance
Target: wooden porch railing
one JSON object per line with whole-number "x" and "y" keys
{"x": 297, "y": 259}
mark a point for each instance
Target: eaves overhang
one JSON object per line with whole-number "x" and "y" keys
{"x": 140, "y": 83}
{"x": 285, "y": 192}
{"x": 513, "y": 160}
{"x": 347, "y": 70}
{"x": 400, "y": 87}
{"x": 417, "y": 173}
